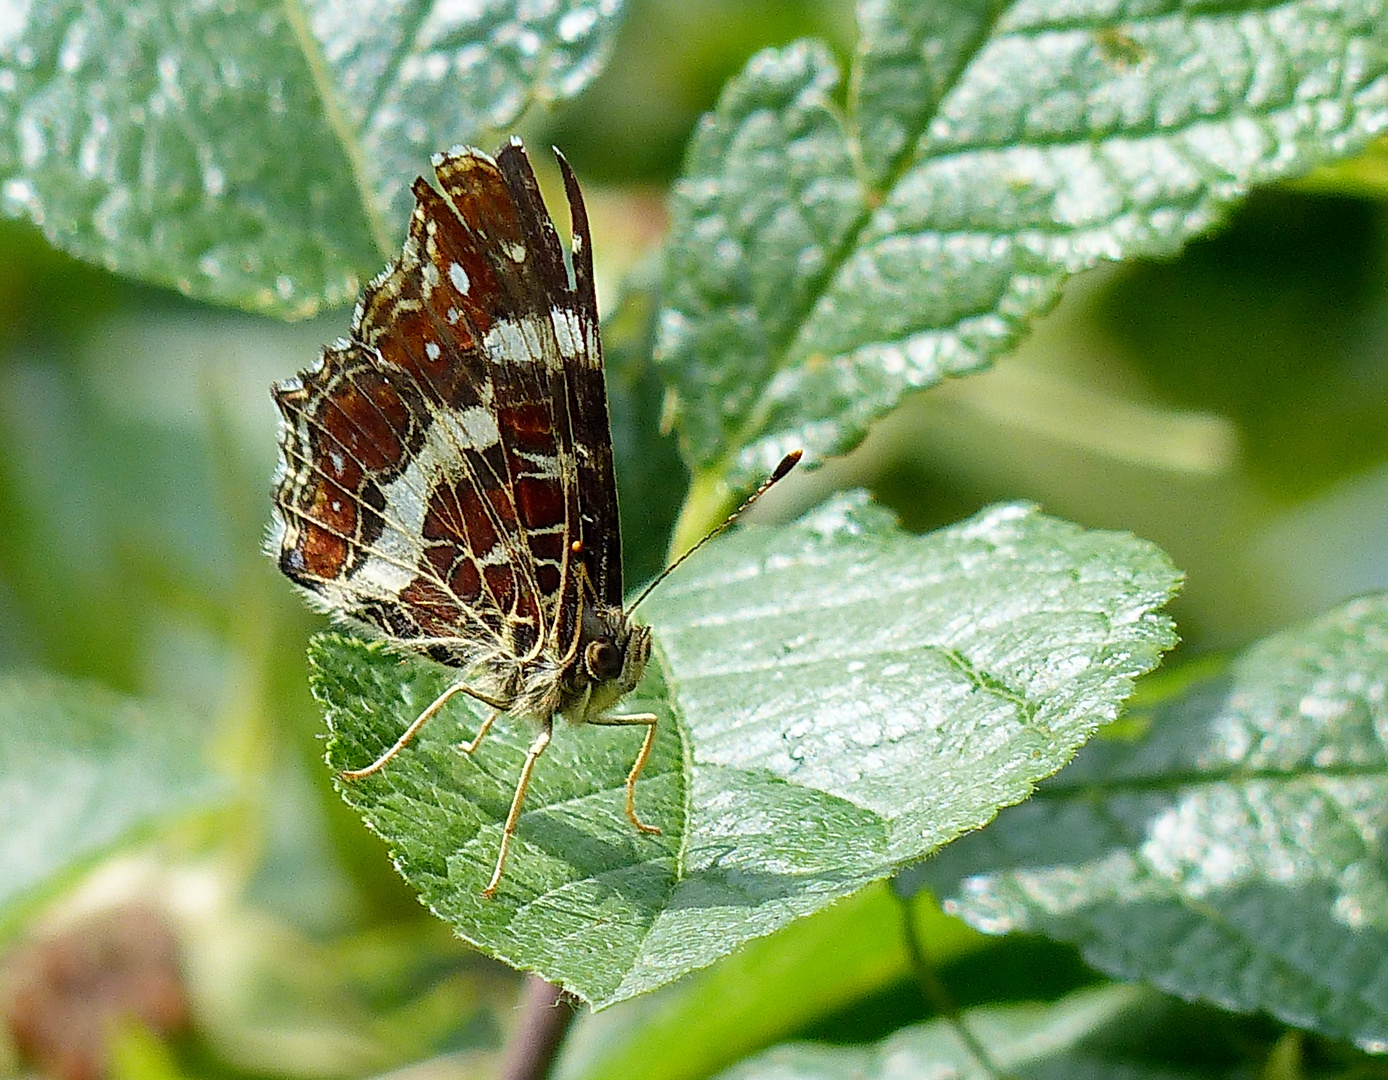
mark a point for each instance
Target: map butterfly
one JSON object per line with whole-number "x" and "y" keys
{"x": 446, "y": 474}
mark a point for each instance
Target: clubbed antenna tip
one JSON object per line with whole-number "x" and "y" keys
{"x": 777, "y": 474}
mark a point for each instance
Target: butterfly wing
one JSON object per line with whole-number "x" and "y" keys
{"x": 430, "y": 485}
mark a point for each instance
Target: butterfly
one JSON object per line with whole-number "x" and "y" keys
{"x": 446, "y": 476}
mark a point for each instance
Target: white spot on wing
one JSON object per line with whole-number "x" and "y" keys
{"x": 566, "y": 332}
{"x": 496, "y": 555}
{"x": 432, "y": 350}
{"x": 591, "y": 336}
{"x": 543, "y": 466}
{"x": 516, "y": 252}
{"x": 458, "y": 276}
{"x": 379, "y": 577}
{"x": 475, "y": 428}
{"x": 504, "y": 340}
{"x": 530, "y": 328}
{"x": 518, "y": 341}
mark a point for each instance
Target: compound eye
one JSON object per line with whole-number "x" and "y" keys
{"x": 604, "y": 660}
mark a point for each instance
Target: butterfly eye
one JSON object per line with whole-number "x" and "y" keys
{"x": 604, "y": 660}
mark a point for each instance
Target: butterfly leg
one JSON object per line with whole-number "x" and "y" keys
{"x": 649, "y": 719}
{"x": 420, "y": 721}
{"x": 469, "y": 747}
{"x": 509, "y": 829}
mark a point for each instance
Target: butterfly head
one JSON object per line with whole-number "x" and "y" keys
{"x": 613, "y": 657}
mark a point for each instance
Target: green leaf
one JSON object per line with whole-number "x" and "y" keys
{"x": 1042, "y": 1042}
{"x": 767, "y": 990}
{"x": 81, "y": 772}
{"x": 768, "y": 200}
{"x": 909, "y": 58}
{"x": 1233, "y": 853}
{"x": 838, "y": 698}
{"x": 260, "y": 155}
{"x": 823, "y": 263}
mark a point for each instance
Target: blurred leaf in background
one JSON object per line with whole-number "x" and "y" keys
{"x": 258, "y": 159}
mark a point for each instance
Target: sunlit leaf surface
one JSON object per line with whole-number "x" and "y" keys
{"x": 838, "y": 698}
{"x": 1232, "y": 853}
{"x": 260, "y": 155}
{"x": 822, "y": 262}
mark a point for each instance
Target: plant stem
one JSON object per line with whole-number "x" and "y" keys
{"x": 938, "y": 994}
{"x": 546, "y": 1013}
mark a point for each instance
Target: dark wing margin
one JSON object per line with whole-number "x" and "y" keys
{"x": 597, "y": 482}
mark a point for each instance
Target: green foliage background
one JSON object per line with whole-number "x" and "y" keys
{"x": 1221, "y": 394}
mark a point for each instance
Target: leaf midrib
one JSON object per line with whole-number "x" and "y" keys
{"x": 338, "y": 123}
{"x": 874, "y": 197}
{"x": 913, "y": 156}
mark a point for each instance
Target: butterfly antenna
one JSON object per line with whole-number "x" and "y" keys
{"x": 777, "y": 475}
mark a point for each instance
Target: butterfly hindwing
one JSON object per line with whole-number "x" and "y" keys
{"x": 439, "y": 465}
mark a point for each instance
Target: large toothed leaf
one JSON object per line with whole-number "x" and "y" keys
{"x": 1090, "y": 1035}
{"x": 822, "y": 262}
{"x": 837, "y": 699}
{"x": 260, "y": 155}
{"x": 83, "y": 771}
{"x": 1233, "y": 853}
